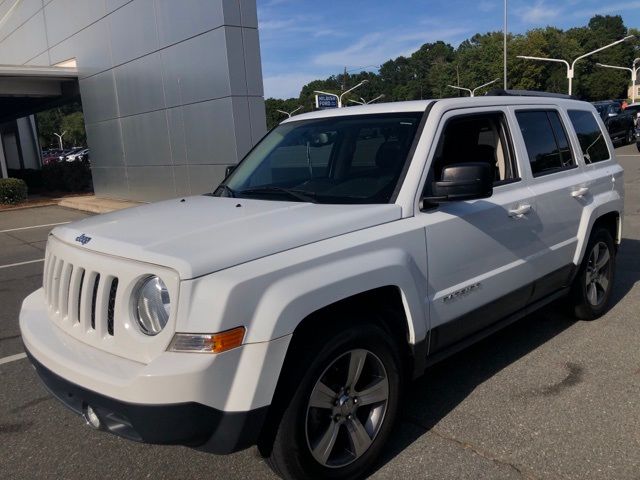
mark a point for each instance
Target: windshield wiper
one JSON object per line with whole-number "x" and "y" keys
{"x": 298, "y": 195}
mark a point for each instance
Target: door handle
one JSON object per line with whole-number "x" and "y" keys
{"x": 580, "y": 192}
{"x": 520, "y": 211}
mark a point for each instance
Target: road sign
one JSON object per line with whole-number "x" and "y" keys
{"x": 326, "y": 101}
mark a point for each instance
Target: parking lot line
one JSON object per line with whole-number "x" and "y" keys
{"x": 21, "y": 263}
{"x": 35, "y": 226}
{"x": 12, "y": 358}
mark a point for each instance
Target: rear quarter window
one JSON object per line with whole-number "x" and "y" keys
{"x": 546, "y": 141}
{"x": 591, "y": 137}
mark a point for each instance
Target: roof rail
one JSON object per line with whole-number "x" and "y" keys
{"x": 499, "y": 92}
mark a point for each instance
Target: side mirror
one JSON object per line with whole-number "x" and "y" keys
{"x": 612, "y": 114}
{"x": 462, "y": 181}
{"x": 229, "y": 170}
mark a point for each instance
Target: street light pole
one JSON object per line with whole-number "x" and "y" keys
{"x": 60, "y": 138}
{"x": 571, "y": 67}
{"x": 634, "y": 75}
{"x": 350, "y": 90}
{"x": 364, "y": 102}
{"x": 472, "y": 93}
{"x": 505, "y": 32}
{"x": 289, "y": 114}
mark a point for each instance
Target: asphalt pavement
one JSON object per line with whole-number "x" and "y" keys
{"x": 547, "y": 398}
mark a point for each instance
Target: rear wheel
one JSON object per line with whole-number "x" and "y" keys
{"x": 343, "y": 409}
{"x": 593, "y": 284}
{"x": 630, "y": 137}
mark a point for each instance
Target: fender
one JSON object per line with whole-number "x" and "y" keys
{"x": 607, "y": 202}
{"x": 272, "y": 295}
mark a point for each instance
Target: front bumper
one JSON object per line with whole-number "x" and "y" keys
{"x": 177, "y": 398}
{"x": 191, "y": 424}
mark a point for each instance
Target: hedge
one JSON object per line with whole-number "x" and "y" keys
{"x": 12, "y": 191}
{"x": 67, "y": 176}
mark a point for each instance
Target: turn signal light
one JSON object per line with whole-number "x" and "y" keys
{"x": 207, "y": 343}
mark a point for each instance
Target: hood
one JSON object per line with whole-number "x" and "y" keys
{"x": 200, "y": 235}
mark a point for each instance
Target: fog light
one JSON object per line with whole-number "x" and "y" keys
{"x": 91, "y": 417}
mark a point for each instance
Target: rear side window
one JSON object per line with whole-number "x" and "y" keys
{"x": 594, "y": 146}
{"x": 546, "y": 141}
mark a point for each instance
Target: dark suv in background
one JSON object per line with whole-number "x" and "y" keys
{"x": 620, "y": 123}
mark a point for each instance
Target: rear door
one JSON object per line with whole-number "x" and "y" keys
{"x": 478, "y": 250}
{"x": 561, "y": 190}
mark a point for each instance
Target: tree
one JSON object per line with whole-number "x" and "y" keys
{"x": 477, "y": 60}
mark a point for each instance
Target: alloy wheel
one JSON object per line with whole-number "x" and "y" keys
{"x": 598, "y": 274}
{"x": 346, "y": 408}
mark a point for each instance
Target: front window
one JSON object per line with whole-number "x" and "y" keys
{"x": 349, "y": 159}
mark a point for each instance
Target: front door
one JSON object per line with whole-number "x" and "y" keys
{"x": 478, "y": 251}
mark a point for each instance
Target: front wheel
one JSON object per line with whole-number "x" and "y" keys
{"x": 592, "y": 287}
{"x": 343, "y": 409}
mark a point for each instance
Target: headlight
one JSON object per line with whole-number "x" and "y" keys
{"x": 152, "y": 305}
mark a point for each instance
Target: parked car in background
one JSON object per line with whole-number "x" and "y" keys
{"x": 82, "y": 154}
{"x": 621, "y": 124}
{"x": 64, "y": 156}
{"x": 51, "y": 156}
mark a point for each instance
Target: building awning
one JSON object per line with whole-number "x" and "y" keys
{"x": 25, "y": 90}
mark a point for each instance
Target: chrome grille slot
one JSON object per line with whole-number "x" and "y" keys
{"x": 111, "y": 308}
{"x": 94, "y": 298}
{"x": 63, "y": 293}
{"x": 86, "y": 300}
{"x": 49, "y": 274}
{"x": 75, "y": 291}
{"x": 55, "y": 285}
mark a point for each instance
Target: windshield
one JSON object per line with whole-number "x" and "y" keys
{"x": 350, "y": 159}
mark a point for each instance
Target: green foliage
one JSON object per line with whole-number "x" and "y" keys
{"x": 477, "y": 60}
{"x": 67, "y": 118}
{"x": 67, "y": 176}
{"x": 12, "y": 191}
{"x": 31, "y": 176}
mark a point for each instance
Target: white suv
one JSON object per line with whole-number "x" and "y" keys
{"x": 348, "y": 251}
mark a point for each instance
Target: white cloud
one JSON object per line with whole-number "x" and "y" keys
{"x": 538, "y": 13}
{"x": 286, "y": 85}
{"x": 610, "y": 8}
{"x": 487, "y": 6}
{"x": 378, "y": 47}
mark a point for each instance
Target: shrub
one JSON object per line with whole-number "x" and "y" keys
{"x": 32, "y": 177}
{"x": 12, "y": 191}
{"x": 67, "y": 176}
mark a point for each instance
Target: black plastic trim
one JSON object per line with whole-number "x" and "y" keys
{"x": 412, "y": 152}
{"x": 471, "y": 339}
{"x": 499, "y": 311}
{"x": 191, "y": 424}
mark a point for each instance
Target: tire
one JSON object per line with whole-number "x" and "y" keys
{"x": 326, "y": 412}
{"x": 630, "y": 137}
{"x": 591, "y": 290}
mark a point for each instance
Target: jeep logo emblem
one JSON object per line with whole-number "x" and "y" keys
{"x": 83, "y": 239}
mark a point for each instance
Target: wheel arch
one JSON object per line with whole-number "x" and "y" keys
{"x": 607, "y": 214}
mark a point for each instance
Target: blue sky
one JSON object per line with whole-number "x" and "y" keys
{"x": 301, "y": 42}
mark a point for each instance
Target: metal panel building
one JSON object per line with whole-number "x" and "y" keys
{"x": 171, "y": 90}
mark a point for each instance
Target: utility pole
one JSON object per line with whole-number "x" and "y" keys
{"x": 506, "y": 30}
{"x": 344, "y": 80}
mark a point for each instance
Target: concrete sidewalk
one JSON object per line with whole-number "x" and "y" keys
{"x": 93, "y": 204}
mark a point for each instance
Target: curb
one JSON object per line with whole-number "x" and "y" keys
{"x": 93, "y": 205}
